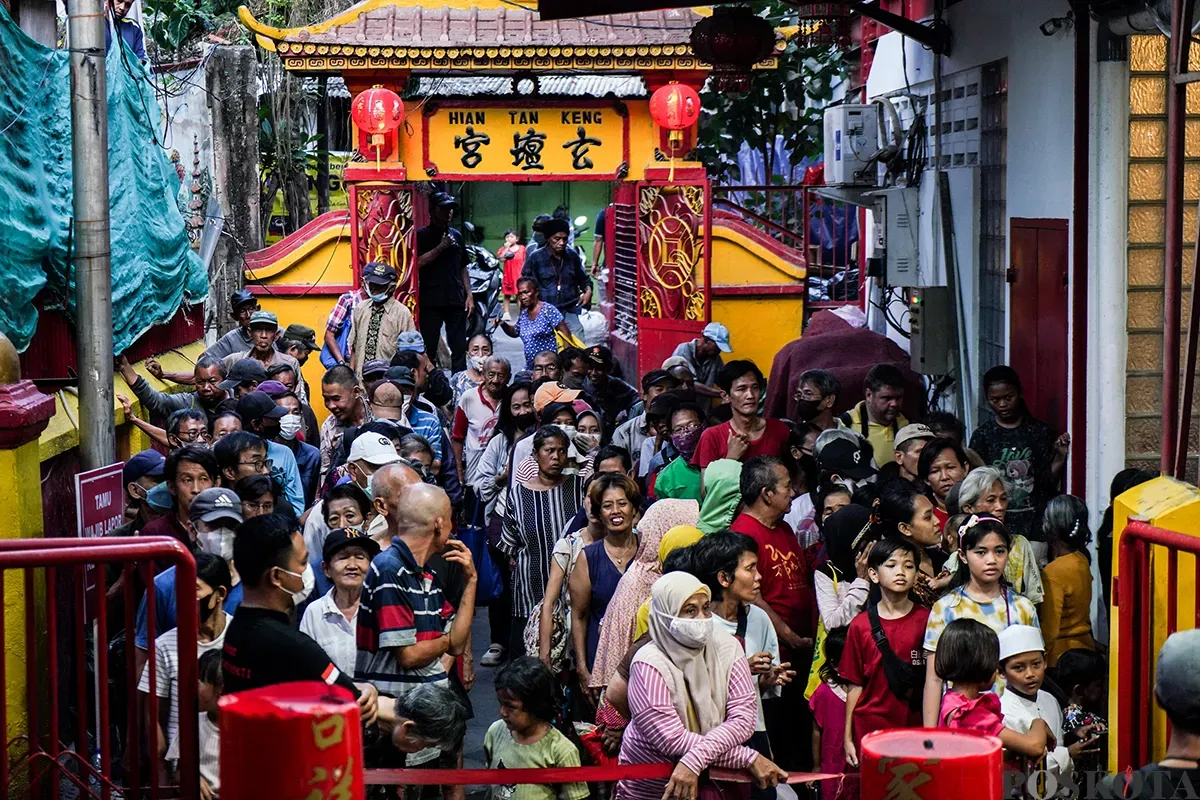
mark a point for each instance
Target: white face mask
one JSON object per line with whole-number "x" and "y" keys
{"x": 585, "y": 442}
{"x": 692, "y": 633}
{"x": 569, "y": 430}
{"x": 289, "y": 426}
{"x": 477, "y": 362}
{"x": 307, "y": 580}
{"x": 218, "y": 542}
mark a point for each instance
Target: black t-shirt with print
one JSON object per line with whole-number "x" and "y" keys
{"x": 1023, "y": 454}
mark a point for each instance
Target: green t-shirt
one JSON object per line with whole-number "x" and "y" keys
{"x": 678, "y": 480}
{"x": 552, "y": 750}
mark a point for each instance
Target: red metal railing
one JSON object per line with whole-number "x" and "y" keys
{"x": 1135, "y": 666}
{"x": 827, "y": 234}
{"x": 66, "y": 707}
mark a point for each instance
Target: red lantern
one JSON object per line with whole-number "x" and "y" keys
{"x": 675, "y": 107}
{"x": 377, "y": 112}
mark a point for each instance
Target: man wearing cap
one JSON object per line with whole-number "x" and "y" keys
{"x": 1177, "y": 690}
{"x": 260, "y": 415}
{"x": 411, "y": 415}
{"x": 843, "y": 456}
{"x": 878, "y": 417}
{"x": 704, "y": 354}
{"x": 373, "y": 372}
{"x": 299, "y": 342}
{"x": 632, "y": 433}
{"x": 561, "y": 278}
{"x": 245, "y": 375}
{"x": 141, "y": 473}
{"x": 681, "y": 369}
{"x": 264, "y": 329}
{"x": 241, "y": 305}
{"x": 332, "y": 619}
{"x": 215, "y": 514}
{"x": 207, "y": 377}
{"x": 444, "y": 285}
{"x": 910, "y": 441}
{"x": 432, "y": 383}
{"x": 375, "y": 325}
{"x": 614, "y": 396}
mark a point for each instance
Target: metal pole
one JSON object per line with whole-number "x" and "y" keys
{"x": 91, "y": 254}
{"x": 1078, "y": 283}
{"x": 1173, "y": 267}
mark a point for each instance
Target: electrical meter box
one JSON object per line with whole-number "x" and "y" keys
{"x": 851, "y": 140}
{"x": 901, "y": 236}
{"x": 933, "y": 329}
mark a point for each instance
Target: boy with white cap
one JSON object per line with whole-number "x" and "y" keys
{"x": 1023, "y": 662}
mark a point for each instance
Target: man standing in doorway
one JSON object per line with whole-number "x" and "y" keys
{"x": 445, "y": 296}
{"x": 564, "y": 282}
{"x": 878, "y": 417}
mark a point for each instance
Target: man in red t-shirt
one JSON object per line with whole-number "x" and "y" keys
{"x": 786, "y": 595}
{"x": 748, "y": 434}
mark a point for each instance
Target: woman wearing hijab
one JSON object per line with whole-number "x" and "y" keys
{"x": 722, "y": 493}
{"x": 619, "y": 625}
{"x": 691, "y": 698}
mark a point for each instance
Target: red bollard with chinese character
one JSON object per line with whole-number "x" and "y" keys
{"x": 294, "y": 740}
{"x": 931, "y": 764}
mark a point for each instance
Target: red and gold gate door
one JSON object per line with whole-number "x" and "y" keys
{"x": 674, "y": 247}
{"x": 384, "y": 230}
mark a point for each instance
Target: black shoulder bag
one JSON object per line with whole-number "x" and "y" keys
{"x": 906, "y": 680}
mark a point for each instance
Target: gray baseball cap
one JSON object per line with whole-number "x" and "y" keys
{"x": 216, "y": 503}
{"x": 1177, "y": 684}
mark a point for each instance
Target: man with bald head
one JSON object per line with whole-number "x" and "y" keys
{"x": 406, "y": 625}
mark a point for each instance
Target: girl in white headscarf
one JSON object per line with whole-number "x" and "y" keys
{"x": 691, "y": 698}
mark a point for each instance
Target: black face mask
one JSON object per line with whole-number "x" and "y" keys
{"x": 525, "y": 421}
{"x": 207, "y": 608}
{"x": 807, "y": 409}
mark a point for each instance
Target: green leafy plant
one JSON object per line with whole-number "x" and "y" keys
{"x": 788, "y": 102}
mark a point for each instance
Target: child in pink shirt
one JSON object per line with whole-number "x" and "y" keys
{"x": 828, "y": 704}
{"x": 967, "y": 658}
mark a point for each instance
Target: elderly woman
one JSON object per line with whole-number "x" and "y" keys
{"x": 692, "y": 699}
{"x": 984, "y": 492}
{"x": 619, "y": 627}
{"x": 536, "y": 323}
{"x": 538, "y": 510}
{"x": 615, "y": 499}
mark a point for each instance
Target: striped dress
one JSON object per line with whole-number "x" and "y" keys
{"x": 657, "y": 734}
{"x": 532, "y": 525}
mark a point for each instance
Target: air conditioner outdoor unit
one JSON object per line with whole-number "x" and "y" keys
{"x": 851, "y": 139}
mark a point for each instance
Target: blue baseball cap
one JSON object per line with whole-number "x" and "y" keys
{"x": 411, "y": 341}
{"x": 719, "y": 335}
{"x": 148, "y": 463}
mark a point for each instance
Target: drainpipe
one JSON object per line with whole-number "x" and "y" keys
{"x": 92, "y": 252}
{"x": 1077, "y": 472}
{"x": 1173, "y": 267}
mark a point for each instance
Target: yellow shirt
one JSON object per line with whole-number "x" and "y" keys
{"x": 881, "y": 437}
{"x": 1065, "y": 611}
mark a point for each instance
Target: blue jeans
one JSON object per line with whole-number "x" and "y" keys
{"x": 574, "y": 323}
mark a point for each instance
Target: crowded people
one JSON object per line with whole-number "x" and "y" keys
{"x": 706, "y": 584}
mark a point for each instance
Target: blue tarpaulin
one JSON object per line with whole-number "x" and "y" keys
{"x": 154, "y": 270}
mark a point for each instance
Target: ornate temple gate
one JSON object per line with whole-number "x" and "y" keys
{"x": 659, "y": 240}
{"x": 674, "y": 224}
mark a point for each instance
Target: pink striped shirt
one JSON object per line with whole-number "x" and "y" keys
{"x": 657, "y": 734}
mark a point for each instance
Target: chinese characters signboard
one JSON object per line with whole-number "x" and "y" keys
{"x": 530, "y": 143}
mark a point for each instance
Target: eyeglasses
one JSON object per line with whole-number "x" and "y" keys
{"x": 262, "y": 465}
{"x": 193, "y": 436}
{"x": 265, "y": 508}
{"x": 808, "y": 394}
{"x": 695, "y": 426}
